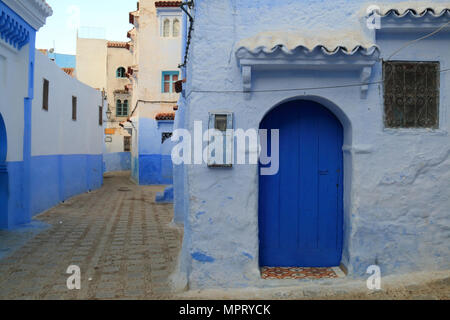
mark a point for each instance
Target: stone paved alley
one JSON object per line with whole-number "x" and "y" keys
{"x": 117, "y": 235}
{"x": 126, "y": 249}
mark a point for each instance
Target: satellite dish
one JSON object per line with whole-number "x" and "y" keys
{"x": 52, "y": 50}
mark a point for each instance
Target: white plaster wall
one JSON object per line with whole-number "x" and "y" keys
{"x": 117, "y": 57}
{"x": 396, "y": 181}
{"x": 153, "y": 55}
{"x": 116, "y": 145}
{"x": 53, "y": 131}
{"x": 13, "y": 89}
{"x": 91, "y": 62}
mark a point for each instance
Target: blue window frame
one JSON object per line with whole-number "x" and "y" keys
{"x": 121, "y": 72}
{"x": 168, "y": 81}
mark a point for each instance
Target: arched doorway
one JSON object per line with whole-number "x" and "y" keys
{"x": 3, "y": 175}
{"x": 301, "y": 207}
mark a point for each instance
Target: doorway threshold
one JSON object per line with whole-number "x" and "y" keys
{"x": 300, "y": 273}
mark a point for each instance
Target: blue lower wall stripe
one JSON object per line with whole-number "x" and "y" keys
{"x": 57, "y": 178}
{"x": 117, "y": 161}
{"x": 155, "y": 169}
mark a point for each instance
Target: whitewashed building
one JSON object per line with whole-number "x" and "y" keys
{"x": 156, "y": 48}
{"x": 50, "y": 123}
{"x": 104, "y": 65}
{"x": 357, "y": 102}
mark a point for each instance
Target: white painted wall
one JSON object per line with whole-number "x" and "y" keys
{"x": 13, "y": 90}
{"x": 91, "y": 62}
{"x": 154, "y": 54}
{"x": 54, "y": 132}
{"x": 117, "y": 57}
{"x": 116, "y": 145}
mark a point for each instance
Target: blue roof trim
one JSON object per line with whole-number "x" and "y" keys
{"x": 414, "y": 21}
{"x": 415, "y": 14}
{"x": 281, "y": 50}
{"x": 13, "y": 29}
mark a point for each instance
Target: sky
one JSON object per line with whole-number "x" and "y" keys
{"x": 106, "y": 19}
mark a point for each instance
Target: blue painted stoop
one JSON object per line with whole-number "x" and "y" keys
{"x": 166, "y": 196}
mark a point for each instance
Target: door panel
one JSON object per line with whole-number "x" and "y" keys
{"x": 300, "y": 208}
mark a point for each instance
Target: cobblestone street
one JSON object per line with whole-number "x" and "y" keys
{"x": 126, "y": 249}
{"x": 118, "y": 236}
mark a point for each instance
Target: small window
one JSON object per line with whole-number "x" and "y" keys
{"x": 411, "y": 94}
{"x": 223, "y": 123}
{"x": 176, "y": 28}
{"x": 166, "y": 28}
{"x": 121, "y": 108}
{"x": 45, "y": 94}
{"x": 100, "y": 116}
{"x": 74, "y": 108}
{"x": 220, "y": 122}
{"x": 126, "y": 144}
{"x": 121, "y": 72}
{"x": 168, "y": 81}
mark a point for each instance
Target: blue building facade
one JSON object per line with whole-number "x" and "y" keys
{"x": 63, "y": 60}
{"x": 19, "y": 21}
{"x": 50, "y": 124}
{"x": 153, "y": 162}
{"x": 380, "y": 77}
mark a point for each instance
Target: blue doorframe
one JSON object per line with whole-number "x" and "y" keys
{"x": 3, "y": 174}
{"x": 301, "y": 208}
{"x": 20, "y": 172}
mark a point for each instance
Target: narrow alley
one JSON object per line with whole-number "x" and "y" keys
{"x": 117, "y": 235}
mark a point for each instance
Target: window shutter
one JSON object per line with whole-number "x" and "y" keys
{"x": 74, "y": 108}
{"x": 45, "y": 95}
{"x": 100, "y": 116}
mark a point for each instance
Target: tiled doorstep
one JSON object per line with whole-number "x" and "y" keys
{"x": 295, "y": 273}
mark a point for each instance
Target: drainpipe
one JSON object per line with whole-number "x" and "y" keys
{"x": 187, "y": 43}
{"x": 183, "y": 46}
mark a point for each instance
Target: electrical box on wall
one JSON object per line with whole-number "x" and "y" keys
{"x": 220, "y": 148}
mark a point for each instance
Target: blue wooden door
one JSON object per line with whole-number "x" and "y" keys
{"x": 300, "y": 208}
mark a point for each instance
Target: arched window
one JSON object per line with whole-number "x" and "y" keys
{"x": 176, "y": 28}
{"x": 120, "y": 73}
{"x": 166, "y": 28}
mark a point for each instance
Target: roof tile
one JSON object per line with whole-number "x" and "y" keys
{"x": 162, "y": 4}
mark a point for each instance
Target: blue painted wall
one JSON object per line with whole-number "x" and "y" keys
{"x": 57, "y": 178}
{"x": 396, "y": 181}
{"x": 18, "y": 173}
{"x": 4, "y": 182}
{"x": 63, "y": 60}
{"x": 116, "y": 161}
{"x": 179, "y": 171}
{"x": 155, "y": 161}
